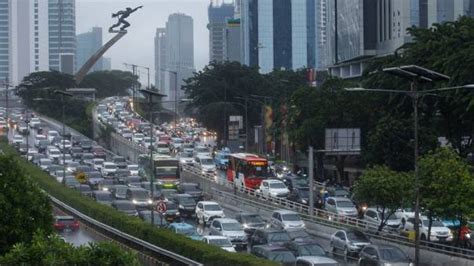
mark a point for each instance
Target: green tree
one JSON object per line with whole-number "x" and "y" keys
{"x": 385, "y": 189}
{"x": 52, "y": 250}
{"x": 110, "y": 83}
{"x": 24, "y": 207}
{"x": 446, "y": 186}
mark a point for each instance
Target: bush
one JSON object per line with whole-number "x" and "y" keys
{"x": 196, "y": 250}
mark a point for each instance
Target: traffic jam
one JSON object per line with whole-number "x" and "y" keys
{"x": 182, "y": 207}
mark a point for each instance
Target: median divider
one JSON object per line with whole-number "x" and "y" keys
{"x": 132, "y": 226}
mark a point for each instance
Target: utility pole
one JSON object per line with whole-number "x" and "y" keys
{"x": 7, "y": 86}
{"x": 311, "y": 180}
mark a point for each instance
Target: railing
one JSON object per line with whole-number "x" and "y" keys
{"x": 254, "y": 198}
{"x": 140, "y": 245}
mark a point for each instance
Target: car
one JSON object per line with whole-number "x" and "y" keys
{"x": 39, "y": 137}
{"x": 186, "y": 229}
{"x": 30, "y": 153}
{"x": 138, "y": 137}
{"x": 230, "y": 228}
{"x": 295, "y": 181}
{"x": 273, "y": 188}
{"x": 176, "y": 144}
{"x": 94, "y": 178}
{"x": 132, "y": 181}
{"x": 219, "y": 241}
{"x": 192, "y": 189}
{"x": 76, "y": 153}
{"x": 108, "y": 168}
{"x": 287, "y": 220}
{"x": 119, "y": 191}
{"x": 72, "y": 166}
{"x": 221, "y": 159}
{"x": 201, "y": 151}
{"x": 269, "y": 236}
{"x": 341, "y": 206}
{"x": 65, "y": 223}
{"x": 125, "y": 206}
{"x": 52, "y": 134}
{"x": 106, "y": 185}
{"x": 86, "y": 158}
{"x": 205, "y": 164}
{"x": 85, "y": 190}
{"x": 337, "y": 191}
{"x": 274, "y": 253}
{"x": 65, "y": 158}
{"x": 64, "y": 143}
{"x": 300, "y": 195}
{"x": 299, "y": 234}
{"x": 162, "y": 148}
{"x": 98, "y": 163}
{"x": 315, "y": 261}
{"x": 305, "y": 247}
{"x": 139, "y": 196}
{"x": 166, "y": 193}
{"x": 172, "y": 213}
{"x": 53, "y": 153}
{"x": 186, "y": 204}
{"x": 70, "y": 181}
{"x": 18, "y": 139}
{"x": 45, "y": 163}
{"x": 373, "y": 217}
{"x": 158, "y": 220}
{"x": 348, "y": 241}
{"x": 99, "y": 152}
{"x": 133, "y": 169}
{"x": 37, "y": 157}
{"x": 250, "y": 222}
{"x": 439, "y": 231}
{"x": 42, "y": 145}
{"x": 86, "y": 144}
{"x": 120, "y": 162}
{"x": 185, "y": 158}
{"x": 207, "y": 211}
{"x": 103, "y": 197}
{"x": 383, "y": 255}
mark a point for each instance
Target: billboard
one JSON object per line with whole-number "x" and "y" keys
{"x": 342, "y": 140}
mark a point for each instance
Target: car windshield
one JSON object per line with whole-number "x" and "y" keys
{"x": 277, "y": 185}
{"x": 140, "y": 194}
{"x": 252, "y": 219}
{"x": 282, "y": 256}
{"x": 298, "y": 234}
{"x": 167, "y": 193}
{"x": 212, "y": 207}
{"x": 434, "y": 223}
{"x": 110, "y": 166}
{"x": 103, "y": 196}
{"x": 71, "y": 181}
{"x": 345, "y": 204}
{"x": 119, "y": 160}
{"x": 278, "y": 237}
{"x": 207, "y": 161}
{"x": 393, "y": 217}
{"x": 304, "y": 193}
{"x": 311, "y": 250}
{"x": 220, "y": 242}
{"x": 231, "y": 227}
{"x": 190, "y": 187}
{"x": 187, "y": 201}
{"x": 125, "y": 206}
{"x": 171, "y": 206}
{"x": 166, "y": 170}
{"x": 300, "y": 182}
{"x": 201, "y": 150}
{"x": 290, "y": 217}
{"x": 121, "y": 191}
{"x": 189, "y": 231}
{"x": 393, "y": 255}
{"x": 133, "y": 167}
{"x": 186, "y": 155}
{"x": 46, "y": 162}
{"x": 357, "y": 236}
{"x": 54, "y": 152}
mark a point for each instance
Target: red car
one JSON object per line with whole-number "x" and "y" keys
{"x": 65, "y": 223}
{"x": 99, "y": 152}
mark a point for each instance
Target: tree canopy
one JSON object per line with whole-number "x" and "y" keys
{"x": 110, "y": 83}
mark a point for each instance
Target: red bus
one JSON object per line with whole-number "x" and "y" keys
{"x": 247, "y": 170}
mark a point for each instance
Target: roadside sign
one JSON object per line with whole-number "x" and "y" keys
{"x": 161, "y": 206}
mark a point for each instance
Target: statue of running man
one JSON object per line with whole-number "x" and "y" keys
{"x": 123, "y": 14}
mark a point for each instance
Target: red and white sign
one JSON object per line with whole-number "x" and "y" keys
{"x": 161, "y": 206}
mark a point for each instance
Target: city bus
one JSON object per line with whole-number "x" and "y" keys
{"x": 166, "y": 169}
{"x": 247, "y": 170}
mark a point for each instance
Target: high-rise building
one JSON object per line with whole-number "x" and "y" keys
{"x": 106, "y": 63}
{"x": 88, "y": 44}
{"x": 179, "y": 60}
{"x": 218, "y": 14}
{"x": 279, "y": 34}
{"x": 62, "y": 35}
{"x": 160, "y": 58}
{"x": 367, "y": 28}
{"x": 232, "y": 40}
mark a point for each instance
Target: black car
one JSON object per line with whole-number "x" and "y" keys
{"x": 299, "y": 234}
{"x": 300, "y": 195}
{"x": 383, "y": 255}
{"x": 120, "y": 162}
{"x": 274, "y": 253}
{"x": 186, "y": 204}
{"x": 76, "y": 153}
{"x": 86, "y": 144}
{"x": 269, "y": 236}
{"x": 250, "y": 222}
{"x": 305, "y": 248}
{"x": 125, "y": 206}
{"x": 42, "y": 145}
{"x": 295, "y": 181}
{"x": 85, "y": 190}
{"x": 192, "y": 189}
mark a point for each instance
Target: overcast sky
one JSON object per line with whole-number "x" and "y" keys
{"x": 137, "y": 47}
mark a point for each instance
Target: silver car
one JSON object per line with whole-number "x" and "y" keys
{"x": 349, "y": 242}
{"x": 231, "y": 229}
{"x": 341, "y": 206}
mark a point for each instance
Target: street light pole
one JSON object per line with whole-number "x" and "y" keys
{"x": 63, "y": 93}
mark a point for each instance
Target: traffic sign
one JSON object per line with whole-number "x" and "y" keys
{"x": 161, "y": 206}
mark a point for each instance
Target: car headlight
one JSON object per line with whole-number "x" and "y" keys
{"x": 177, "y": 213}
{"x": 134, "y": 201}
{"x": 105, "y": 189}
{"x": 304, "y": 201}
{"x": 150, "y": 201}
{"x": 245, "y": 225}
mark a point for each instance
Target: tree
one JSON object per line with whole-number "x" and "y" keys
{"x": 110, "y": 83}
{"x": 52, "y": 250}
{"x": 446, "y": 186}
{"x": 24, "y": 207}
{"x": 386, "y": 189}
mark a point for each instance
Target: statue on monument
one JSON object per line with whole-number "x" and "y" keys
{"x": 123, "y": 14}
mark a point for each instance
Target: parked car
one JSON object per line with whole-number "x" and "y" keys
{"x": 383, "y": 255}
{"x": 273, "y": 188}
{"x": 287, "y": 220}
{"x": 269, "y": 236}
{"x": 230, "y": 228}
{"x": 250, "y": 222}
{"x": 219, "y": 241}
{"x": 65, "y": 223}
{"x": 207, "y": 211}
{"x": 277, "y": 254}
{"x": 125, "y": 206}
{"x": 348, "y": 241}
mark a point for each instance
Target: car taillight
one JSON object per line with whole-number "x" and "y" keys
{"x": 57, "y": 225}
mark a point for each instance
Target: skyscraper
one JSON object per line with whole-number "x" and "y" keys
{"x": 160, "y": 58}
{"x": 62, "y": 35}
{"x": 279, "y": 34}
{"x": 218, "y": 15}
{"x": 106, "y": 63}
{"x": 232, "y": 40}
{"x": 87, "y": 44}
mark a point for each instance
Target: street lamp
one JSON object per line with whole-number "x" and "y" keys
{"x": 415, "y": 74}
{"x": 150, "y": 94}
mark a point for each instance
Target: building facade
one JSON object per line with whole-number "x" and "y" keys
{"x": 279, "y": 34}
{"x": 232, "y": 40}
{"x": 160, "y": 58}
{"x": 87, "y": 44}
{"x": 218, "y": 15}
{"x": 106, "y": 63}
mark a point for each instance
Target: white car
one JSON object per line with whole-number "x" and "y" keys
{"x": 138, "y": 137}
{"x": 108, "y": 168}
{"x": 53, "y": 153}
{"x": 162, "y": 148}
{"x": 35, "y": 122}
{"x": 45, "y": 163}
{"x": 439, "y": 232}
{"x": 341, "y": 206}
{"x": 205, "y": 164}
{"x": 133, "y": 169}
{"x": 67, "y": 158}
{"x": 39, "y": 138}
{"x": 374, "y": 218}
{"x": 98, "y": 163}
{"x": 64, "y": 142}
{"x": 208, "y": 210}
{"x": 31, "y": 152}
{"x": 201, "y": 151}
{"x": 18, "y": 139}
{"x": 231, "y": 229}
{"x": 220, "y": 241}
{"x": 52, "y": 134}
{"x": 286, "y": 220}
{"x": 274, "y": 188}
